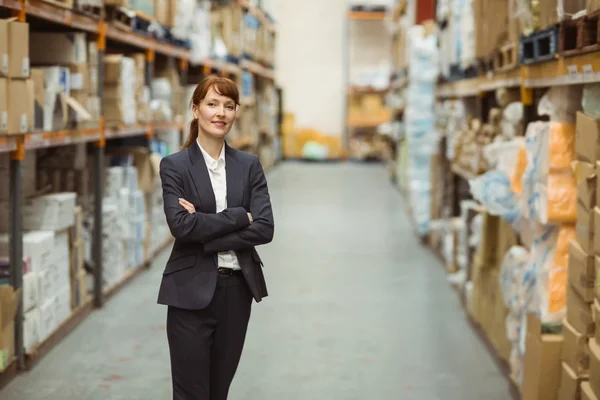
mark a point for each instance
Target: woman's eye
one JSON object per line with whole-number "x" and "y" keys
{"x": 230, "y": 108}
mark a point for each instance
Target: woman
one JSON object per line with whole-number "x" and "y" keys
{"x": 218, "y": 209}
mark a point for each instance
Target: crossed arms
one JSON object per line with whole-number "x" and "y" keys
{"x": 231, "y": 229}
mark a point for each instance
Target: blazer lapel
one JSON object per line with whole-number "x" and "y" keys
{"x": 235, "y": 178}
{"x": 201, "y": 180}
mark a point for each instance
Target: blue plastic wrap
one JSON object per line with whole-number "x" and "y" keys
{"x": 492, "y": 190}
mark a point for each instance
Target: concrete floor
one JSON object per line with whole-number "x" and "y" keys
{"x": 357, "y": 310}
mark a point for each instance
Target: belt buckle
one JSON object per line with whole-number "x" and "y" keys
{"x": 225, "y": 271}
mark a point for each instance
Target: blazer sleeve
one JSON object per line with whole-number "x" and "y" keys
{"x": 262, "y": 228}
{"x": 196, "y": 227}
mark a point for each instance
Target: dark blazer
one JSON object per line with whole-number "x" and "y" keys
{"x": 190, "y": 276}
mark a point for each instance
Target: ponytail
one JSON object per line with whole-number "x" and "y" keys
{"x": 192, "y": 134}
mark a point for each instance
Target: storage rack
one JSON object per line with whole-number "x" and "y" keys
{"x": 358, "y": 14}
{"x": 559, "y": 71}
{"x": 106, "y": 35}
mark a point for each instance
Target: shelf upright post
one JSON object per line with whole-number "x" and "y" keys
{"x": 184, "y": 67}
{"x": 16, "y": 228}
{"x": 98, "y": 176}
{"x": 16, "y": 242}
{"x": 148, "y": 76}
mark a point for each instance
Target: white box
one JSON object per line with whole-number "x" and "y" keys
{"x": 57, "y": 48}
{"x": 32, "y": 333}
{"x": 62, "y": 304}
{"x": 30, "y": 291}
{"x": 61, "y": 245}
{"x": 138, "y": 228}
{"x": 37, "y": 246}
{"x": 131, "y": 178}
{"x": 113, "y": 181}
{"x": 48, "y": 322}
{"x": 45, "y": 285}
{"x": 52, "y": 212}
{"x": 138, "y": 204}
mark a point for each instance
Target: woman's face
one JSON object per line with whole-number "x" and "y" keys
{"x": 215, "y": 114}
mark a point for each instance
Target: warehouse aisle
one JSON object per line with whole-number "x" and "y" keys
{"x": 357, "y": 310}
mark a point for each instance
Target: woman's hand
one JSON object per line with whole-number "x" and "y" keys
{"x": 189, "y": 207}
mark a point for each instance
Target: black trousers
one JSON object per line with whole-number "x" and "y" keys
{"x": 206, "y": 345}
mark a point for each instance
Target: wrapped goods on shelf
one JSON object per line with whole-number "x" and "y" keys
{"x": 119, "y": 90}
{"x": 143, "y": 6}
{"x": 200, "y": 36}
{"x": 549, "y": 254}
{"x": 549, "y": 193}
{"x": 506, "y": 156}
{"x": 516, "y": 183}
{"x": 561, "y": 103}
{"x": 511, "y": 124}
{"x": 493, "y": 190}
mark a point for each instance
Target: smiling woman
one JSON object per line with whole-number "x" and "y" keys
{"x": 214, "y": 104}
{"x": 218, "y": 208}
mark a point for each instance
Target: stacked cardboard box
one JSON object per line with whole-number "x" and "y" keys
{"x": 16, "y": 89}
{"x": 79, "y": 289}
{"x": 47, "y": 262}
{"x": 9, "y": 301}
{"x": 579, "y": 327}
{"x": 142, "y": 92}
{"x": 119, "y": 90}
{"x": 231, "y": 23}
{"x": 65, "y": 81}
{"x": 487, "y": 306}
{"x": 541, "y": 364}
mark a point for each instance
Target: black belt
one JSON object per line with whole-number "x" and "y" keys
{"x": 229, "y": 271}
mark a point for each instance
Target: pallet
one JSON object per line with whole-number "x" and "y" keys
{"x": 581, "y": 35}
{"x": 68, "y": 4}
{"x": 506, "y": 58}
{"x": 539, "y": 46}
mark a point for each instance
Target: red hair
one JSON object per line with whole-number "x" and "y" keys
{"x": 223, "y": 86}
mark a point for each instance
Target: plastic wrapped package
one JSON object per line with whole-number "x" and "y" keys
{"x": 493, "y": 190}
{"x": 516, "y": 183}
{"x": 561, "y": 149}
{"x": 591, "y": 100}
{"x": 513, "y": 266}
{"x": 184, "y": 20}
{"x": 556, "y": 200}
{"x": 423, "y": 55}
{"x": 549, "y": 255}
{"x": 512, "y": 116}
{"x": 504, "y": 156}
{"x": 561, "y": 103}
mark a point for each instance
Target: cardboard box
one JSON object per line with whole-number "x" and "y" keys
{"x": 575, "y": 351}
{"x": 595, "y": 366}
{"x": 18, "y": 50}
{"x": 4, "y": 47}
{"x": 584, "y": 229}
{"x": 32, "y": 336}
{"x": 587, "y": 140}
{"x": 587, "y": 393}
{"x": 586, "y": 184}
{"x": 47, "y": 48}
{"x": 579, "y": 313}
{"x": 582, "y": 271}
{"x": 596, "y": 317}
{"x": 569, "y": 384}
{"x": 52, "y": 212}
{"x": 541, "y": 364}
{"x": 19, "y": 107}
{"x": 3, "y": 105}
{"x": 9, "y": 300}
{"x": 79, "y": 77}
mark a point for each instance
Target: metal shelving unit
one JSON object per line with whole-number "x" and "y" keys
{"x": 105, "y": 35}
